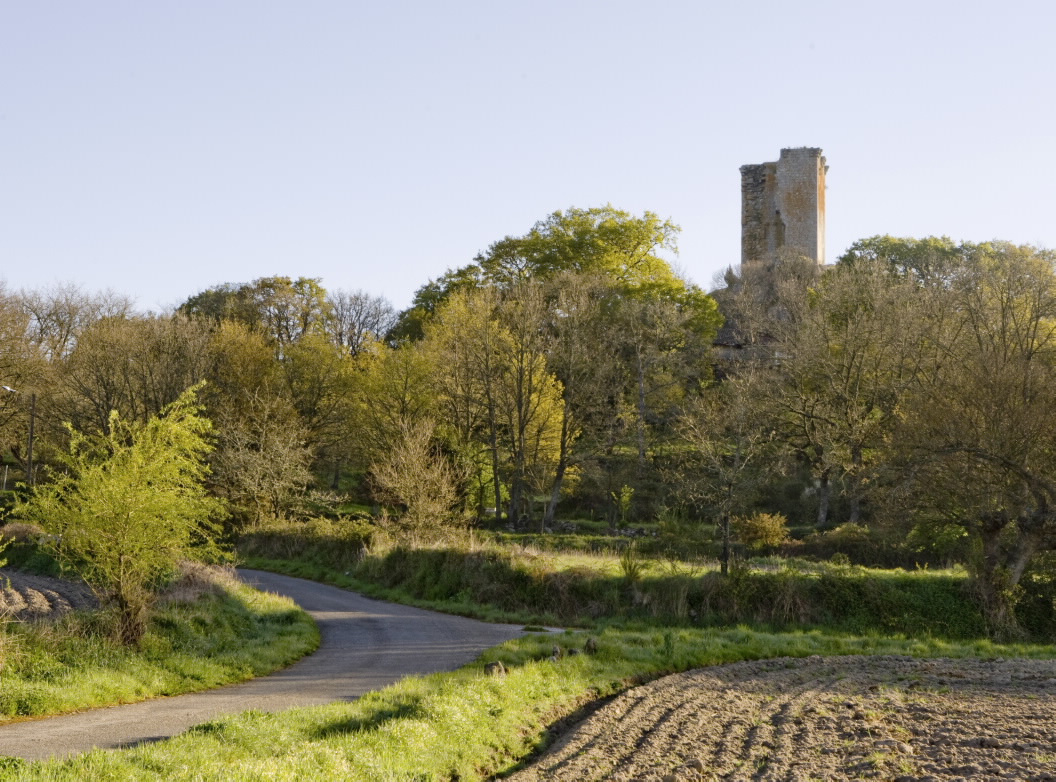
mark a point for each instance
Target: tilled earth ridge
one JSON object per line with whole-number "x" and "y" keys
{"x": 821, "y": 718}
{"x": 26, "y": 596}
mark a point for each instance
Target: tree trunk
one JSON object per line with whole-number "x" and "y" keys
{"x": 995, "y": 581}
{"x": 493, "y": 445}
{"x": 559, "y": 473}
{"x": 641, "y": 416}
{"x": 856, "y": 485}
{"x": 824, "y": 496}
{"x": 725, "y": 543}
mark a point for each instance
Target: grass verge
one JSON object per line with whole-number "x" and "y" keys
{"x": 490, "y": 582}
{"x": 465, "y": 725}
{"x": 209, "y": 637}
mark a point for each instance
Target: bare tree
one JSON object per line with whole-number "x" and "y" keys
{"x": 359, "y": 319}
{"x": 416, "y": 476}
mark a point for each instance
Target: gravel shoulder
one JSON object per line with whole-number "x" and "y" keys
{"x": 366, "y": 644}
{"x": 831, "y": 718}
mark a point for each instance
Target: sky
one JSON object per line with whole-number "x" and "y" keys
{"x": 161, "y": 148}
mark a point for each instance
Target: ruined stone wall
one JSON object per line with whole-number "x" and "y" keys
{"x": 783, "y": 206}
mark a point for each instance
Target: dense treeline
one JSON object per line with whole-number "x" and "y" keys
{"x": 572, "y": 372}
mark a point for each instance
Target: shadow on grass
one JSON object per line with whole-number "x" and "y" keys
{"x": 373, "y": 716}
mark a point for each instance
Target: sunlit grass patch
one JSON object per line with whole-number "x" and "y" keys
{"x": 221, "y": 636}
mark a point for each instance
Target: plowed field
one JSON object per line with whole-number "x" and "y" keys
{"x": 821, "y": 718}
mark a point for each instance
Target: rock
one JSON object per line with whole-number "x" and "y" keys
{"x": 695, "y": 763}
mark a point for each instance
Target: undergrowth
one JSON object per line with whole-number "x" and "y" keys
{"x": 492, "y": 581}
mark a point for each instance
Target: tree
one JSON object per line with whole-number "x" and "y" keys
{"x": 726, "y": 455}
{"x": 844, "y": 363}
{"x": 665, "y": 343}
{"x": 416, "y": 476}
{"x": 284, "y": 309}
{"x": 494, "y": 379}
{"x": 978, "y": 433}
{"x": 358, "y": 320}
{"x": 16, "y": 366}
{"x": 263, "y": 454}
{"x": 604, "y": 242}
{"x": 262, "y": 461}
{"x": 528, "y": 395}
{"x": 60, "y": 315}
{"x": 579, "y": 330}
{"x": 393, "y": 386}
{"x": 132, "y": 505}
{"x": 461, "y": 347}
{"x": 135, "y": 365}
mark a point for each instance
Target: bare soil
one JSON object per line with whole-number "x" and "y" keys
{"x": 821, "y": 718}
{"x": 26, "y": 596}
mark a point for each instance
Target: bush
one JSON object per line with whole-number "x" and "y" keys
{"x": 761, "y": 531}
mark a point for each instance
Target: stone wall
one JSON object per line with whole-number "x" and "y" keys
{"x": 783, "y": 206}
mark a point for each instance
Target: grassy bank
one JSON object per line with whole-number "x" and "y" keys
{"x": 214, "y": 633}
{"x": 464, "y": 725}
{"x": 514, "y": 583}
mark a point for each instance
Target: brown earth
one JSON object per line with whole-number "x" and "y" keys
{"x": 821, "y": 718}
{"x": 26, "y": 596}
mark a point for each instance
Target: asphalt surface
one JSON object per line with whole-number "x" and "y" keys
{"x": 366, "y": 644}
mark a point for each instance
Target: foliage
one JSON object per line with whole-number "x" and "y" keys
{"x": 978, "y": 432}
{"x": 132, "y": 506}
{"x": 515, "y": 584}
{"x": 332, "y": 543}
{"x": 760, "y": 530}
{"x": 417, "y": 477}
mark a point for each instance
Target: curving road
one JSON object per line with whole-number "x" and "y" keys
{"x": 366, "y": 644}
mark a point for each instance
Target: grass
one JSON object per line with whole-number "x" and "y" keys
{"x": 517, "y": 583}
{"x": 227, "y": 633}
{"x": 464, "y": 725}
{"x": 469, "y": 726}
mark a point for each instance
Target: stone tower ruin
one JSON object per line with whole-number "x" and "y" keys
{"x": 783, "y": 207}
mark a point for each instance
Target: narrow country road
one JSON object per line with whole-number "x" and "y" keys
{"x": 366, "y": 644}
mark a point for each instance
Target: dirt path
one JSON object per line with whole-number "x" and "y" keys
{"x": 366, "y": 644}
{"x": 832, "y": 718}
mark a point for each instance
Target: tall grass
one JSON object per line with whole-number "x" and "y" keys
{"x": 521, "y": 584}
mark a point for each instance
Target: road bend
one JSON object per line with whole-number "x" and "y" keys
{"x": 365, "y": 645}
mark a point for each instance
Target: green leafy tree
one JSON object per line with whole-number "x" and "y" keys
{"x": 132, "y": 506}
{"x": 623, "y": 249}
{"x": 846, "y": 360}
{"x": 979, "y": 428}
{"x": 282, "y": 308}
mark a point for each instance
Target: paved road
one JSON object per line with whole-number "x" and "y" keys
{"x": 366, "y": 644}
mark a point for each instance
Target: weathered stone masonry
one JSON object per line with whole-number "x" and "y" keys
{"x": 783, "y": 206}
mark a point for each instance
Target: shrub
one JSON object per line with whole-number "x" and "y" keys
{"x": 761, "y": 530}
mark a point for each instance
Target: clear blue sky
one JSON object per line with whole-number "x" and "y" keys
{"x": 159, "y": 148}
